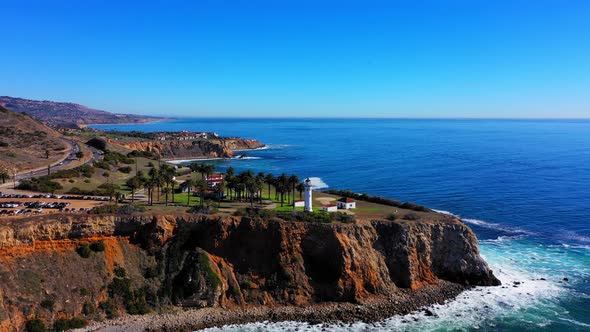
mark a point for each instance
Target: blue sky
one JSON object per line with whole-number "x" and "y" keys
{"x": 302, "y": 58}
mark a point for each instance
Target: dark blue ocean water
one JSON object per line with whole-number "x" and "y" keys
{"x": 522, "y": 185}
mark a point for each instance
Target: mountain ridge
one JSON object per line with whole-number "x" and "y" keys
{"x": 68, "y": 114}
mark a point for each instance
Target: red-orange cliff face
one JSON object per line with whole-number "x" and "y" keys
{"x": 200, "y": 261}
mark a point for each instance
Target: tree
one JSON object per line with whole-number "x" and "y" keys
{"x": 202, "y": 186}
{"x": 270, "y": 180}
{"x": 154, "y": 175}
{"x": 79, "y": 155}
{"x": 282, "y": 186}
{"x": 300, "y": 188}
{"x": 166, "y": 191}
{"x": 134, "y": 183}
{"x": 168, "y": 173}
{"x": 4, "y": 175}
{"x": 188, "y": 184}
{"x": 293, "y": 181}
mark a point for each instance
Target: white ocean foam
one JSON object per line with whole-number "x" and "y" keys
{"x": 529, "y": 296}
{"x": 266, "y": 147}
{"x": 445, "y": 212}
{"x": 184, "y": 161}
{"x": 318, "y": 183}
{"x": 486, "y": 224}
{"x": 246, "y": 158}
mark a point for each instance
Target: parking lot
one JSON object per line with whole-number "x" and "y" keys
{"x": 20, "y": 205}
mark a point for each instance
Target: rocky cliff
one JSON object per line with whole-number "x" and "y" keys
{"x": 200, "y": 148}
{"x": 149, "y": 262}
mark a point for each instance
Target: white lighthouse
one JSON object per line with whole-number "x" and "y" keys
{"x": 308, "y": 201}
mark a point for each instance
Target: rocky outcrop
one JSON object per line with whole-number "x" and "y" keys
{"x": 229, "y": 262}
{"x": 200, "y": 148}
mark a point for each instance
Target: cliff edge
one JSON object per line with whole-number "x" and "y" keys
{"x": 149, "y": 262}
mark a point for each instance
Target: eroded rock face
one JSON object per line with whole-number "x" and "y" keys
{"x": 231, "y": 261}
{"x": 211, "y": 148}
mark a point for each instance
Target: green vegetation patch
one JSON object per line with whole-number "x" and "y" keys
{"x": 35, "y": 325}
{"x": 64, "y": 324}
{"x": 40, "y": 184}
{"x": 379, "y": 200}
{"x": 205, "y": 263}
{"x": 84, "y": 251}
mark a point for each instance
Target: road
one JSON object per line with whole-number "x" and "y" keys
{"x": 64, "y": 164}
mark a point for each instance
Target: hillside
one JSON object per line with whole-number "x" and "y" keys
{"x": 67, "y": 114}
{"x": 26, "y": 144}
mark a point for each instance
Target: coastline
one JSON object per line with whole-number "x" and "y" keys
{"x": 127, "y": 123}
{"x": 370, "y": 311}
{"x": 177, "y": 161}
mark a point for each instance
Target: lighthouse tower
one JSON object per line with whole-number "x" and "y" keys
{"x": 308, "y": 202}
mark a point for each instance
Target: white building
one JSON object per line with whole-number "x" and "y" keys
{"x": 346, "y": 203}
{"x": 330, "y": 208}
{"x": 299, "y": 203}
{"x": 308, "y": 196}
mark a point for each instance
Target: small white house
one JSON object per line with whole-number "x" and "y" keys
{"x": 299, "y": 203}
{"x": 346, "y": 203}
{"x": 330, "y": 208}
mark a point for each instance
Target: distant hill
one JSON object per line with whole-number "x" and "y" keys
{"x": 26, "y": 143}
{"x": 68, "y": 114}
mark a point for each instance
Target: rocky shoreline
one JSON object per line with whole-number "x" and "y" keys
{"x": 371, "y": 310}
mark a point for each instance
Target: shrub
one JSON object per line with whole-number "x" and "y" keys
{"x": 84, "y": 291}
{"x": 145, "y": 154}
{"x": 87, "y": 309}
{"x": 125, "y": 169}
{"x": 35, "y": 325}
{"x": 151, "y": 272}
{"x": 102, "y": 164}
{"x": 64, "y": 324}
{"x": 97, "y": 246}
{"x": 135, "y": 301}
{"x": 47, "y": 304}
{"x": 118, "y": 209}
{"x": 255, "y": 213}
{"x": 40, "y": 184}
{"x": 411, "y": 216}
{"x": 84, "y": 251}
{"x": 109, "y": 308}
{"x": 391, "y": 216}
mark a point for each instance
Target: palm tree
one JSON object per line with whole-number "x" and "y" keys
{"x": 154, "y": 174}
{"x": 202, "y": 186}
{"x": 133, "y": 184}
{"x": 168, "y": 173}
{"x": 220, "y": 189}
{"x": 269, "y": 179}
{"x": 4, "y": 176}
{"x": 208, "y": 170}
{"x": 300, "y": 188}
{"x": 293, "y": 181}
{"x": 188, "y": 184}
{"x": 282, "y": 186}
{"x": 166, "y": 190}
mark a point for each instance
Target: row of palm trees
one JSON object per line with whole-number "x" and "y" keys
{"x": 245, "y": 186}
{"x": 158, "y": 181}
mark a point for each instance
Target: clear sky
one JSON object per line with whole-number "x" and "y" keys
{"x": 282, "y": 58}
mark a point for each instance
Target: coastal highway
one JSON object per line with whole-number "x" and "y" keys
{"x": 64, "y": 164}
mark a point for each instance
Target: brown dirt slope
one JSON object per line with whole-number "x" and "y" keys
{"x": 25, "y": 142}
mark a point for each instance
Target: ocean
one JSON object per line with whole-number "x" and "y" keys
{"x": 523, "y": 186}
